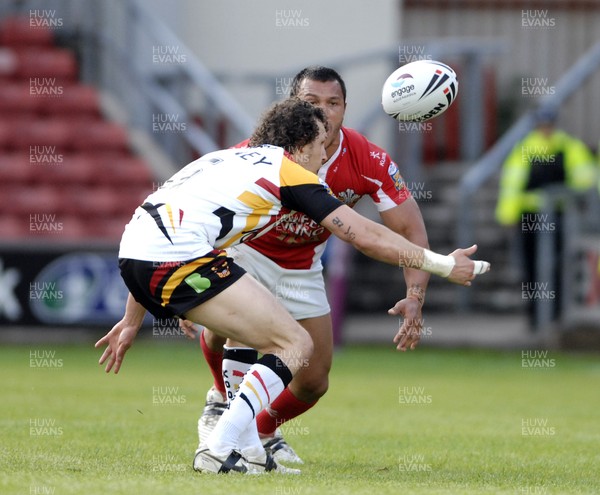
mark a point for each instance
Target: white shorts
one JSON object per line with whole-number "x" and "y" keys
{"x": 302, "y": 292}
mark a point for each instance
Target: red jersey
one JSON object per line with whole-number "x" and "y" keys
{"x": 358, "y": 167}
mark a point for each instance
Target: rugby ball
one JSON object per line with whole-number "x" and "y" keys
{"x": 419, "y": 91}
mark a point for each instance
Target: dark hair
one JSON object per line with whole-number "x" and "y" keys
{"x": 316, "y": 73}
{"x": 290, "y": 124}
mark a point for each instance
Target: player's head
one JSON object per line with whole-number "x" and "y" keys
{"x": 324, "y": 87}
{"x": 317, "y": 73}
{"x": 298, "y": 127}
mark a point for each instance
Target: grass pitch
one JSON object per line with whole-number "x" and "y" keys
{"x": 426, "y": 422}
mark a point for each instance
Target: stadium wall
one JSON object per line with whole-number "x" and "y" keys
{"x": 239, "y": 41}
{"x": 237, "y": 38}
{"x": 544, "y": 39}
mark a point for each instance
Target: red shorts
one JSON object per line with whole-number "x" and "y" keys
{"x": 171, "y": 288}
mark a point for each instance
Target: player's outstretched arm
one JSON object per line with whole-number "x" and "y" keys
{"x": 380, "y": 243}
{"x": 122, "y": 335}
{"x": 406, "y": 219}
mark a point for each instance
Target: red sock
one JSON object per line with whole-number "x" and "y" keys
{"x": 283, "y": 408}
{"x": 214, "y": 360}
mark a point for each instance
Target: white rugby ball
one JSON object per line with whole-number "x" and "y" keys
{"x": 419, "y": 91}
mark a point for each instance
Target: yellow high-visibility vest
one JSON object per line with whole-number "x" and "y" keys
{"x": 514, "y": 198}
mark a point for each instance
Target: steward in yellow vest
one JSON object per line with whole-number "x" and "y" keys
{"x": 546, "y": 156}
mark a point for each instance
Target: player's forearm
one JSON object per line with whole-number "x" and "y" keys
{"x": 134, "y": 312}
{"x": 416, "y": 280}
{"x": 406, "y": 219}
{"x": 380, "y": 243}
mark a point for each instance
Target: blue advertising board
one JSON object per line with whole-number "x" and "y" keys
{"x": 60, "y": 286}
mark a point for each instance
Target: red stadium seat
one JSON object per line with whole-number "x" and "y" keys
{"x": 101, "y": 136}
{"x": 108, "y": 229}
{"x": 45, "y": 138}
{"x": 16, "y": 170}
{"x": 94, "y": 201}
{"x": 59, "y": 227}
{"x": 72, "y": 170}
{"x": 75, "y": 100}
{"x": 33, "y": 200}
{"x": 26, "y": 31}
{"x": 120, "y": 169}
{"x": 65, "y": 173}
{"x": 46, "y": 67}
{"x": 130, "y": 199}
{"x": 6, "y": 133}
{"x": 17, "y": 99}
{"x": 13, "y": 227}
{"x": 70, "y": 227}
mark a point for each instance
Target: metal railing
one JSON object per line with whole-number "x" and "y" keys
{"x": 472, "y": 54}
{"x": 574, "y": 215}
{"x": 491, "y": 162}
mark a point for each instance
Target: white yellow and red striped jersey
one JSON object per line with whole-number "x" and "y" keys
{"x": 220, "y": 200}
{"x": 357, "y": 168}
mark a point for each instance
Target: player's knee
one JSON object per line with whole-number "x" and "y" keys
{"x": 312, "y": 382}
{"x": 312, "y": 388}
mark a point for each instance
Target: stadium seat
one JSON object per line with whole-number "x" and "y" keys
{"x": 19, "y": 31}
{"x": 122, "y": 169}
{"x": 33, "y": 200}
{"x": 108, "y": 229}
{"x": 16, "y": 99}
{"x": 72, "y": 228}
{"x": 94, "y": 201}
{"x": 45, "y": 137}
{"x": 72, "y": 170}
{"x": 13, "y": 226}
{"x": 59, "y": 227}
{"x": 100, "y": 136}
{"x": 6, "y": 133}
{"x": 50, "y": 67}
{"x": 16, "y": 170}
{"x": 129, "y": 202}
{"x": 61, "y": 164}
{"x": 76, "y": 100}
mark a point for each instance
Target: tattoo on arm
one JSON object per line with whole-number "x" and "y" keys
{"x": 337, "y": 222}
{"x": 417, "y": 292}
{"x": 351, "y": 235}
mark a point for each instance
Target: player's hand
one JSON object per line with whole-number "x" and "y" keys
{"x": 189, "y": 328}
{"x": 409, "y": 334}
{"x": 465, "y": 268}
{"x": 118, "y": 341}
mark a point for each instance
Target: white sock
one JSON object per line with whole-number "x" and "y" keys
{"x": 263, "y": 382}
{"x": 236, "y": 362}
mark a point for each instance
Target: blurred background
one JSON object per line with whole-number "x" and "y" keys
{"x": 100, "y": 102}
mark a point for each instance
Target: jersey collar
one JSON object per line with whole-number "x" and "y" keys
{"x": 323, "y": 170}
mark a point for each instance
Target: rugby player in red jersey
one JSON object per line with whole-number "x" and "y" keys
{"x": 288, "y": 262}
{"x": 173, "y": 261}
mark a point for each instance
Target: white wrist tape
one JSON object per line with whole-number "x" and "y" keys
{"x": 438, "y": 264}
{"x": 480, "y": 267}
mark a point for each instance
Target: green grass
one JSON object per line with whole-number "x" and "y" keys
{"x": 464, "y": 434}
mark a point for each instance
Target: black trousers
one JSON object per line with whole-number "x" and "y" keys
{"x": 536, "y": 288}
